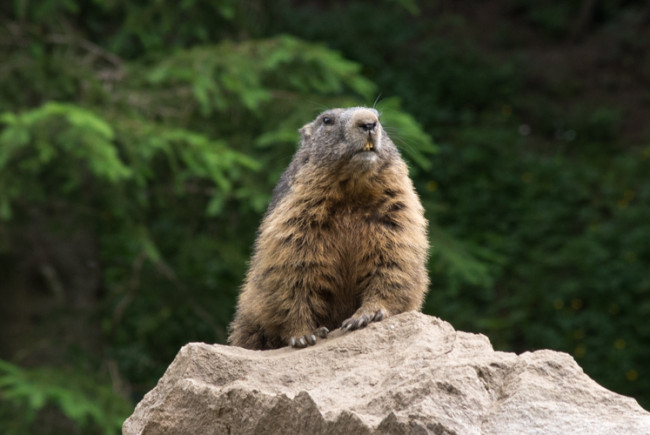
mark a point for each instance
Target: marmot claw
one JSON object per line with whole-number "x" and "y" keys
{"x": 358, "y": 321}
{"x": 309, "y": 339}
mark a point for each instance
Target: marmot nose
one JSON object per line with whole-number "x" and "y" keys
{"x": 367, "y": 126}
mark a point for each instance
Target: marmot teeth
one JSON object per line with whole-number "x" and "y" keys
{"x": 368, "y": 146}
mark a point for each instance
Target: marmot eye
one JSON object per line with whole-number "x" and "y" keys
{"x": 327, "y": 120}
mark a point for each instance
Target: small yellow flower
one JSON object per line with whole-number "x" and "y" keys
{"x": 576, "y": 303}
{"x": 631, "y": 375}
{"x": 579, "y": 351}
{"x": 620, "y": 344}
{"x": 432, "y": 186}
{"x": 558, "y": 304}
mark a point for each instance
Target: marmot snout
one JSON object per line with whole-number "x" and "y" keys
{"x": 343, "y": 242}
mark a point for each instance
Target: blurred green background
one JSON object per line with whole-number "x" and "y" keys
{"x": 140, "y": 143}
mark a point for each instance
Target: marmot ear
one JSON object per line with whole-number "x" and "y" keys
{"x": 305, "y": 132}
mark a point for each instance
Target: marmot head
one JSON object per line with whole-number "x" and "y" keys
{"x": 347, "y": 139}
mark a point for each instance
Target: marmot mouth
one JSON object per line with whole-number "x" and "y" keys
{"x": 369, "y": 146}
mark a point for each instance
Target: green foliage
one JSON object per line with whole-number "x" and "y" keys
{"x": 557, "y": 20}
{"x": 26, "y": 148}
{"x": 249, "y": 73}
{"x": 26, "y": 393}
{"x": 409, "y": 5}
{"x": 37, "y": 146}
{"x": 581, "y": 293}
{"x": 404, "y": 130}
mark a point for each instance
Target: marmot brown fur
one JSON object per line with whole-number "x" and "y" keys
{"x": 343, "y": 242}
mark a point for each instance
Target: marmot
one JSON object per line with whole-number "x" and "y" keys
{"x": 343, "y": 242}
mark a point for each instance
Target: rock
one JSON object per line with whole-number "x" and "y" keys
{"x": 409, "y": 374}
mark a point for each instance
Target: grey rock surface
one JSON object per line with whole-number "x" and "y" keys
{"x": 409, "y": 374}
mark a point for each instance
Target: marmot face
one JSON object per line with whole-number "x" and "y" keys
{"x": 343, "y": 242}
{"x": 349, "y": 139}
